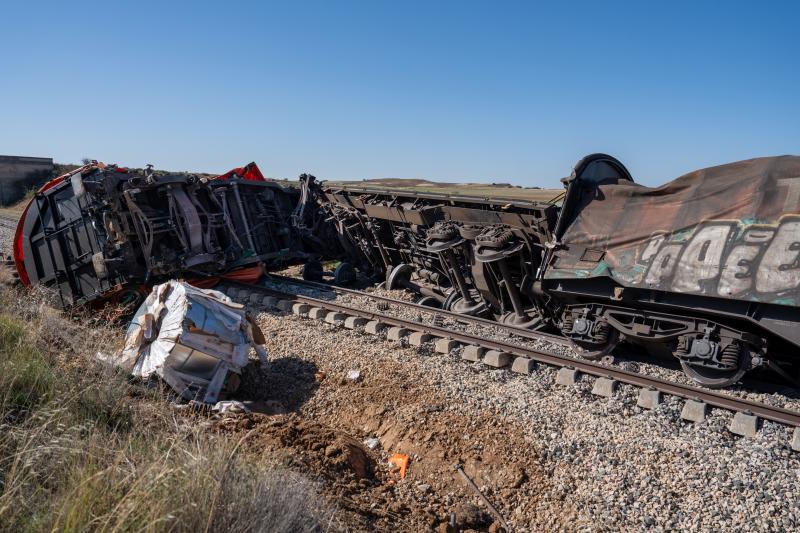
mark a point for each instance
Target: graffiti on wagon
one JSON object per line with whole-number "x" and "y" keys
{"x": 726, "y": 258}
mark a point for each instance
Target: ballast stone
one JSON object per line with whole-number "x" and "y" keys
{"x": 796, "y": 439}
{"x": 269, "y": 302}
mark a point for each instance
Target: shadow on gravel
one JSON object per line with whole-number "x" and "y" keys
{"x": 285, "y": 384}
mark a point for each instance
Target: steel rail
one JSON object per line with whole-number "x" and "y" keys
{"x": 465, "y": 319}
{"x": 713, "y": 399}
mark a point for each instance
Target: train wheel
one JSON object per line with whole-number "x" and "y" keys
{"x": 714, "y": 378}
{"x": 344, "y": 274}
{"x": 593, "y": 351}
{"x": 525, "y": 321}
{"x": 464, "y": 307}
{"x": 429, "y": 301}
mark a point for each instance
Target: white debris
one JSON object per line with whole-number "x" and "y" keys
{"x": 230, "y": 406}
{"x": 191, "y": 338}
{"x": 372, "y": 443}
{"x": 354, "y": 375}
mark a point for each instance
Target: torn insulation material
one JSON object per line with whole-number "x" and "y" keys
{"x": 197, "y": 341}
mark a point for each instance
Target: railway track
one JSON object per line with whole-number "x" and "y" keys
{"x": 496, "y": 353}
{"x": 8, "y": 222}
{"x": 456, "y": 317}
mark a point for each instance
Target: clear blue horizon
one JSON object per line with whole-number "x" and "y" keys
{"x": 479, "y": 92}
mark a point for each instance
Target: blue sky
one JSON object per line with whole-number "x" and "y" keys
{"x": 457, "y": 91}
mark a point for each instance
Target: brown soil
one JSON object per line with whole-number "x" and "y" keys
{"x": 329, "y": 417}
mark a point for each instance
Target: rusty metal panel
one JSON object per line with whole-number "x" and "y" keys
{"x": 730, "y": 231}
{"x": 395, "y": 214}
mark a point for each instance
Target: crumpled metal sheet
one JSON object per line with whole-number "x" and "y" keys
{"x": 191, "y": 338}
{"x": 730, "y": 231}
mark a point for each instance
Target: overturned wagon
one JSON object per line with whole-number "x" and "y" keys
{"x": 461, "y": 253}
{"x": 105, "y": 232}
{"x": 705, "y": 268}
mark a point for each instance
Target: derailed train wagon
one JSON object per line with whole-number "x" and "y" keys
{"x": 469, "y": 255}
{"x": 104, "y": 232}
{"x": 706, "y": 267}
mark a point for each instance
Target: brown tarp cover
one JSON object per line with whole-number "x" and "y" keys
{"x": 729, "y": 231}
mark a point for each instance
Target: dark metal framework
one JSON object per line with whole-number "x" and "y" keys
{"x": 108, "y": 231}
{"x": 473, "y": 256}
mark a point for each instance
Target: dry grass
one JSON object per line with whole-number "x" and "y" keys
{"x": 15, "y": 211}
{"x": 84, "y": 449}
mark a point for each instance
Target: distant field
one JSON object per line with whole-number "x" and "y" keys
{"x": 482, "y": 190}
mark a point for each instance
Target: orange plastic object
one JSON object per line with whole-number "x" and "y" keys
{"x": 400, "y": 460}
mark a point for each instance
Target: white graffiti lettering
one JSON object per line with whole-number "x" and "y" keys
{"x": 716, "y": 260}
{"x": 737, "y": 274}
{"x": 663, "y": 265}
{"x": 653, "y": 247}
{"x": 701, "y": 259}
{"x": 779, "y": 270}
{"x": 792, "y": 195}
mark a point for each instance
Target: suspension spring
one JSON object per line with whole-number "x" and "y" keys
{"x": 566, "y": 323}
{"x": 730, "y": 356}
{"x": 682, "y": 348}
{"x": 601, "y": 332}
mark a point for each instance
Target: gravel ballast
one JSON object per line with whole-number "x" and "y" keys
{"x": 608, "y": 464}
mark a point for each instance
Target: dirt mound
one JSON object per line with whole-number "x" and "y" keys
{"x": 358, "y": 480}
